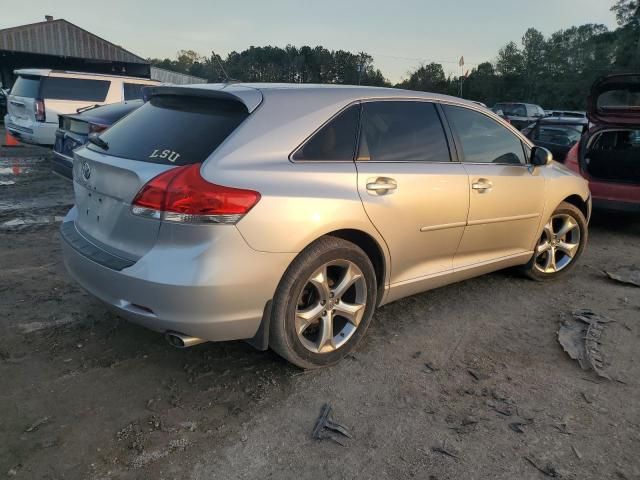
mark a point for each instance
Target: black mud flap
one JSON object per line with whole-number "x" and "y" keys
{"x": 260, "y": 340}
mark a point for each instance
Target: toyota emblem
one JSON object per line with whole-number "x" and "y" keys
{"x": 86, "y": 171}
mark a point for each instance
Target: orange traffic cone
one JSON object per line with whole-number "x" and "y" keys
{"x": 10, "y": 141}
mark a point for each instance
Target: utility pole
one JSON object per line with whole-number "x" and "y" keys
{"x": 461, "y": 64}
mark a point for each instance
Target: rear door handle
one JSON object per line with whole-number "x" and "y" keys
{"x": 381, "y": 185}
{"x": 482, "y": 185}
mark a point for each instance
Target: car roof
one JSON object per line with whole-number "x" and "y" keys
{"x": 46, "y": 72}
{"x": 330, "y": 92}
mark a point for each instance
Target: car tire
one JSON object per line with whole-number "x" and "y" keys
{"x": 561, "y": 244}
{"x": 318, "y": 316}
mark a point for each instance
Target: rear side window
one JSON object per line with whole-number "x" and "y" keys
{"x": 512, "y": 109}
{"x": 483, "y": 139}
{"x": 78, "y": 89}
{"x": 133, "y": 91}
{"x": 174, "y": 130}
{"x": 335, "y": 141}
{"x": 26, "y": 86}
{"x": 402, "y": 131}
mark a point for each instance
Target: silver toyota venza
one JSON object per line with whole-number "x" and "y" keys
{"x": 285, "y": 214}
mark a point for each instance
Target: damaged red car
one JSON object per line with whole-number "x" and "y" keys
{"x": 608, "y": 155}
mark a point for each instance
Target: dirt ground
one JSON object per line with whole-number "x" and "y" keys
{"x": 464, "y": 382}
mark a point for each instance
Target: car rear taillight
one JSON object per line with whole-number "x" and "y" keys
{"x": 182, "y": 195}
{"x": 97, "y": 128}
{"x": 38, "y": 109}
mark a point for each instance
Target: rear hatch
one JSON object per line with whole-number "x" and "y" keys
{"x": 22, "y": 98}
{"x": 177, "y": 126}
{"x": 615, "y": 100}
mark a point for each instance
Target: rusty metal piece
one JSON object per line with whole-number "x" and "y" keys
{"x": 325, "y": 422}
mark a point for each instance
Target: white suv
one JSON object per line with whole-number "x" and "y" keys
{"x": 40, "y": 95}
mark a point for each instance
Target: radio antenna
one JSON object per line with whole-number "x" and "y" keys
{"x": 224, "y": 72}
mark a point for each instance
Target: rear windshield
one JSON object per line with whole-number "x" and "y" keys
{"x": 174, "y": 130}
{"x": 623, "y": 98}
{"x": 78, "y": 89}
{"x": 565, "y": 135}
{"x": 26, "y": 86}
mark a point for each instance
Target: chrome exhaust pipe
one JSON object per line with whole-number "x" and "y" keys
{"x": 179, "y": 340}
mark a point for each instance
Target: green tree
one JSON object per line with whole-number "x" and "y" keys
{"x": 628, "y": 35}
{"x": 427, "y": 78}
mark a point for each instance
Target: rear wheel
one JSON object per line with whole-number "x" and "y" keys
{"x": 324, "y": 304}
{"x": 562, "y": 242}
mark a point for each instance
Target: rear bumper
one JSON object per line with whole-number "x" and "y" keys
{"x": 215, "y": 290}
{"x": 631, "y": 207}
{"x": 34, "y": 132}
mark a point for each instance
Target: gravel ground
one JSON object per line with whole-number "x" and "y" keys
{"x": 464, "y": 382}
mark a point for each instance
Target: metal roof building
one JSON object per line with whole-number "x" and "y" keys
{"x": 61, "y": 45}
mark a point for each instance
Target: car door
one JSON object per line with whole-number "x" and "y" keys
{"x": 412, "y": 190}
{"x": 506, "y": 195}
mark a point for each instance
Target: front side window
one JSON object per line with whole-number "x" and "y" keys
{"x": 402, "y": 131}
{"x": 482, "y": 139}
{"x": 335, "y": 141}
{"x": 75, "y": 89}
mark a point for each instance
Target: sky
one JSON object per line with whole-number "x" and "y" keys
{"x": 399, "y": 34}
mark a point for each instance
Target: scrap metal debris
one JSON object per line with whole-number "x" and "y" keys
{"x": 577, "y": 452}
{"x": 37, "y": 424}
{"x": 325, "y": 423}
{"x": 580, "y": 338}
{"x": 549, "y": 470}
{"x": 444, "y": 452}
{"x": 626, "y": 275}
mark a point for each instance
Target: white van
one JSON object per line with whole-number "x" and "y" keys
{"x": 40, "y": 95}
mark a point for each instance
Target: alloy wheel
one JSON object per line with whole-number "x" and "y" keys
{"x": 558, "y": 245}
{"x": 331, "y": 306}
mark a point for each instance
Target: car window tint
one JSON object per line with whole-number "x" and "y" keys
{"x": 173, "y": 130}
{"x": 484, "y": 140}
{"x": 78, "y": 89}
{"x": 335, "y": 141}
{"x": 133, "y": 91}
{"x": 26, "y": 86}
{"x": 402, "y": 131}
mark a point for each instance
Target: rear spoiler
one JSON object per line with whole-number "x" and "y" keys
{"x": 249, "y": 97}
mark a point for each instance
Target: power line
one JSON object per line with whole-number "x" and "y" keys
{"x": 419, "y": 59}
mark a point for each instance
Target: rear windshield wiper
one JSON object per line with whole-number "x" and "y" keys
{"x": 96, "y": 140}
{"x": 89, "y": 107}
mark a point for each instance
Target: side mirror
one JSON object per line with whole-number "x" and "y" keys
{"x": 540, "y": 156}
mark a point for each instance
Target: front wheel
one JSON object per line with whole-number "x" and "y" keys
{"x": 563, "y": 240}
{"x": 324, "y": 304}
